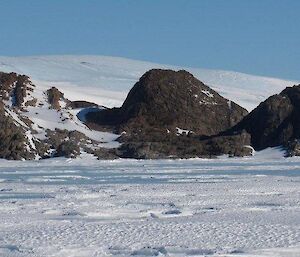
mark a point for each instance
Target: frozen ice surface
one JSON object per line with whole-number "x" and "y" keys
{"x": 85, "y": 207}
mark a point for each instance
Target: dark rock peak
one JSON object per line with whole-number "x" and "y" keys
{"x": 166, "y": 100}
{"x": 275, "y": 121}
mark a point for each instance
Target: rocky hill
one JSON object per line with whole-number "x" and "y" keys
{"x": 172, "y": 114}
{"x": 167, "y": 114}
{"x": 274, "y": 122}
{"x": 171, "y": 102}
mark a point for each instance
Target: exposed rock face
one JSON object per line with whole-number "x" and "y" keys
{"x": 14, "y": 143}
{"x": 165, "y": 100}
{"x": 57, "y": 100}
{"x": 12, "y": 139}
{"x": 275, "y": 121}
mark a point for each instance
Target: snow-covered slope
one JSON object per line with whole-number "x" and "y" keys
{"x": 107, "y": 80}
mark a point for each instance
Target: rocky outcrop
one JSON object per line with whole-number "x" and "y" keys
{"x": 274, "y": 122}
{"x": 67, "y": 149}
{"x": 169, "y": 113}
{"x": 22, "y": 138}
{"x": 56, "y": 98}
{"x": 12, "y": 139}
{"x": 65, "y": 143}
{"x": 167, "y": 100}
{"x": 15, "y": 93}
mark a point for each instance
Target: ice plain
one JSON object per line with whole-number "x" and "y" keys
{"x": 85, "y": 207}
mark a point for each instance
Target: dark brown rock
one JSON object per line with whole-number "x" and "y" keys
{"x": 67, "y": 149}
{"x": 187, "y": 147}
{"x": 56, "y": 137}
{"x": 7, "y": 81}
{"x": 167, "y": 114}
{"x": 275, "y": 121}
{"x": 166, "y": 99}
{"x": 12, "y": 139}
{"x": 163, "y": 103}
{"x": 55, "y": 97}
{"x": 103, "y": 153}
{"x": 15, "y": 86}
{"x": 66, "y": 143}
{"x": 81, "y": 104}
{"x": 293, "y": 148}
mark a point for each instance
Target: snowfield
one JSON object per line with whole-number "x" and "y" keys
{"x": 87, "y": 208}
{"x": 83, "y": 207}
{"x": 107, "y": 80}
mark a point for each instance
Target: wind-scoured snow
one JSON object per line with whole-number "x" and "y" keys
{"x": 107, "y": 80}
{"x": 85, "y": 207}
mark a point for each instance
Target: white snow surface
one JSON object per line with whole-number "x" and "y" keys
{"x": 107, "y": 80}
{"x": 88, "y": 208}
{"x": 182, "y": 131}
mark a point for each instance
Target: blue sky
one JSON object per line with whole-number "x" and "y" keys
{"x": 253, "y": 36}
